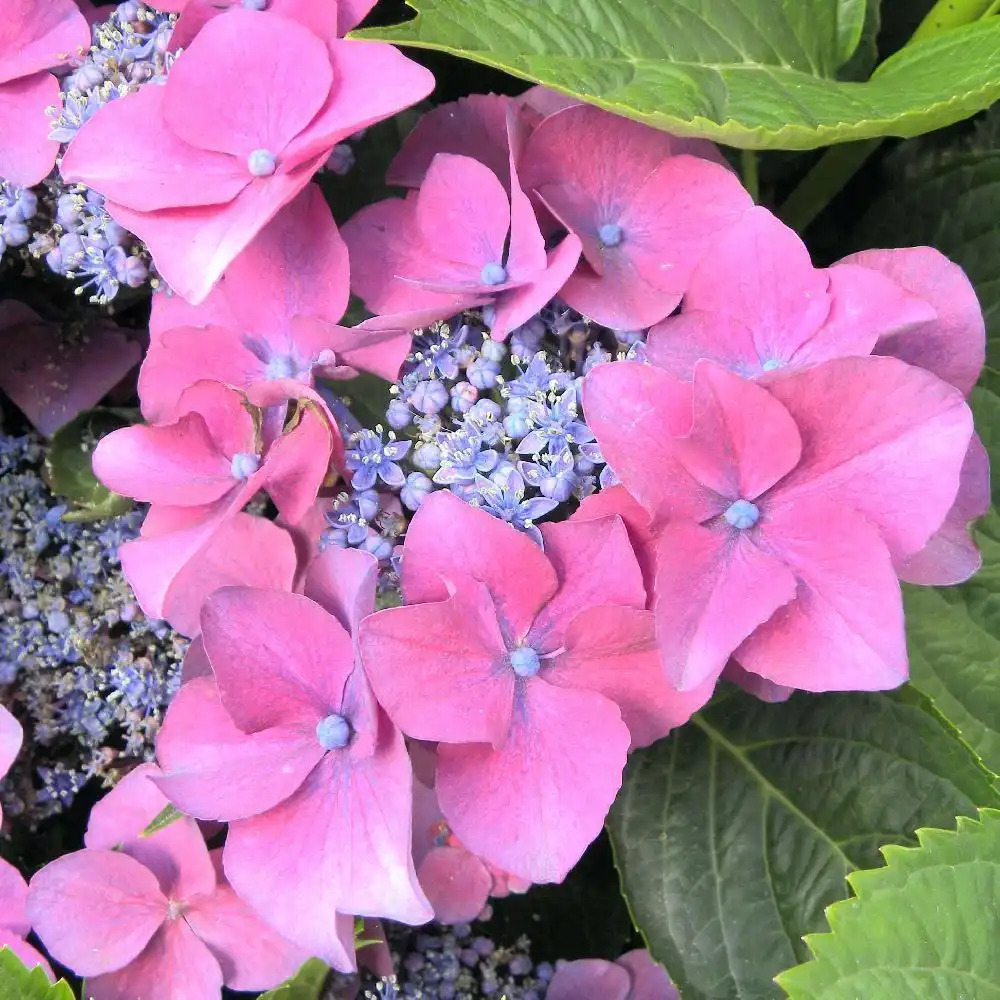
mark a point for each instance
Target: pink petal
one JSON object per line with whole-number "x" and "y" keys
{"x": 297, "y": 265}
{"x": 279, "y": 659}
{"x": 441, "y": 670}
{"x": 463, "y": 215}
{"x": 343, "y": 581}
{"x": 350, "y": 13}
{"x": 516, "y": 306}
{"x": 364, "y": 347}
{"x": 128, "y": 154}
{"x": 40, "y": 34}
{"x": 174, "y": 964}
{"x": 176, "y": 464}
{"x": 562, "y": 760}
{"x": 713, "y": 589}
{"x": 176, "y": 855}
{"x": 95, "y": 910}
{"x": 760, "y": 274}
{"x": 613, "y": 651}
{"x": 26, "y": 953}
{"x": 180, "y": 357}
{"x": 595, "y": 564}
{"x": 195, "y": 661}
{"x": 251, "y": 954}
{"x": 448, "y": 540}
{"x": 844, "y": 630}
{"x": 213, "y": 770}
{"x": 471, "y": 126}
{"x": 617, "y": 500}
{"x": 10, "y": 740}
{"x": 636, "y": 411}
{"x": 13, "y": 899}
{"x": 340, "y": 844}
{"x": 456, "y": 882}
{"x": 526, "y": 244}
{"x": 52, "y": 380}
{"x": 28, "y": 154}
{"x": 170, "y": 311}
{"x": 882, "y": 437}
{"x": 649, "y": 980}
{"x": 245, "y": 551}
{"x": 866, "y": 307}
{"x": 679, "y": 342}
{"x": 225, "y": 412}
{"x": 371, "y": 81}
{"x": 950, "y": 555}
{"x": 953, "y": 345}
{"x": 258, "y": 95}
{"x": 590, "y": 979}
{"x": 756, "y": 685}
{"x": 193, "y": 246}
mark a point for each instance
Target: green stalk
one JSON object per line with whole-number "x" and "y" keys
{"x": 835, "y": 168}
{"x": 751, "y": 177}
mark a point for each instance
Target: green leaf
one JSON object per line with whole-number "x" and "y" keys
{"x": 758, "y": 74}
{"x": 306, "y": 984}
{"x": 734, "y": 834}
{"x": 18, "y": 983}
{"x": 68, "y": 469}
{"x": 925, "y": 925}
{"x": 366, "y": 396}
{"x": 851, "y": 18}
{"x": 865, "y": 55}
{"x": 167, "y": 815}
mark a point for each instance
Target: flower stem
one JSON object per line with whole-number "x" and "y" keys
{"x": 751, "y": 177}
{"x": 835, "y": 168}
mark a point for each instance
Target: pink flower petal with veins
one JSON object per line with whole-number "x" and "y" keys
{"x": 28, "y": 154}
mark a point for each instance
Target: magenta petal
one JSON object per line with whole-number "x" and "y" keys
{"x": 713, "y": 588}
{"x": 340, "y": 844}
{"x": 343, "y": 582}
{"x": 251, "y": 954}
{"x": 37, "y": 35}
{"x": 279, "y": 659}
{"x": 13, "y": 900}
{"x": 28, "y": 154}
{"x": 562, "y": 760}
{"x": 449, "y": 540}
{"x": 950, "y": 556}
{"x": 195, "y": 661}
{"x": 844, "y": 630}
{"x": 212, "y": 770}
{"x": 613, "y": 650}
{"x": 595, "y": 564}
{"x": 952, "y": 346}
{"x": 678, "y": 343}
{"x": 129, "y": 155}
{"x": 756, "y": 685}
{"x": 10, "y": 740}
{"x": 245, "y": 551}
{"x": 95, "y": 910}
{"x": 882, "y": 437}
{"x": 760, "y": 274}
{"x": 297, "y": 463}
{"x": 280, "y": 72}
{"x": 649, "y": 980}
{"x": 176, "y": 855}
{"x": 590, "y": 979}
{"x": 176, "y": 464}
{"x": 440, "y": 669}
{"x": 174, "y": 964}
{"x": 456, "y": 882}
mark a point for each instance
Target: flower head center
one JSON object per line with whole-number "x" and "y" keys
{"x": 772, "y": 365}
{"x": 282, "y": 366}
{"x": 493, "y": 274}
{"x": 244, "y": 464}
{"x": 742, "y": 514}
{"x": 175, "y": 909}
{"x": 255, "y": 4}
{"x": 524, "y": 661}
{"x": 610, "y": 234}
{"x": 333, "y": 732}
{"x": 261, "y": 163}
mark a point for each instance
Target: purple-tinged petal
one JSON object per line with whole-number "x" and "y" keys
{"x": 457, "y": 884}
{"x": 678, "y": 343}
{"x": 38, "y": 35}
{"x": 28, "y": 154}
{"x": 343, "y": 582}
{"x": 13, "y": 898}
{"x": 590, "y": 979}
{"x": 649, "y": 980}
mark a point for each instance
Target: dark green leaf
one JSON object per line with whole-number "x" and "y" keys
{"x": 18, "y": 983}
{"x": 924, "y": 926}
{"x": 851, "y": 19}
{"x": 366, "y": 396}
{"x": 865, "y": 55}
{"x": 68, "y": 469}
{"x": 734, "y": 834}
{"x": 306, "y": 984}
{"x": 167, "y": 815}
{"x": 751, "y": 73}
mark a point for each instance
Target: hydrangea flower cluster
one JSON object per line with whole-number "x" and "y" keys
{"x": 87, "y": 673}
{"x": 638, "y": 443}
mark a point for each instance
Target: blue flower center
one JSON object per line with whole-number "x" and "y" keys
{"x": 261, "y": 163}
{"x": 244, "y": 464}
{"x": 282, "y": 366}
{"x": 333, "y": 732}
{"x": 742, "y": 514}
{"x": 525, "y": 661}
{"x": 610, "y": 234}
{"x": 771, "y": 365}
{"x": 493, "y": 274}
{"x": 255, "y": 4}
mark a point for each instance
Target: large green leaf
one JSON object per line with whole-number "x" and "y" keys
{"x": 734, "y": 834}
{"x": 925, "y": 926}
{"x": 752, "y": 73}
{"x": 19, "y": 983}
